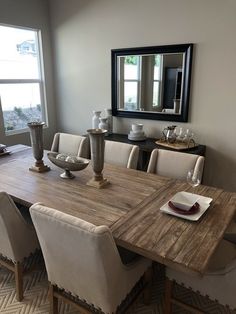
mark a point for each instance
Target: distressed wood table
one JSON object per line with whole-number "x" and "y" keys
{"x": 129, "y": 206}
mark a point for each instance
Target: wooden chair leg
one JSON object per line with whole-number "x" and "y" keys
{"x": 19, "y": 281}
{"x": 168, "y": 296}
{"x": 148, "y": 282}
{"x": 53, "y": 300}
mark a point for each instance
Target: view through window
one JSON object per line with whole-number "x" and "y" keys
{"x": 22, "y": 97}
{"x": 141, "y": 78}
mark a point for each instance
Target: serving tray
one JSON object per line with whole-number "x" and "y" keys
{"x": 176, "y": 145}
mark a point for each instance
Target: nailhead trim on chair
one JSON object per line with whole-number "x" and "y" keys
{"x": 120, "y": 309}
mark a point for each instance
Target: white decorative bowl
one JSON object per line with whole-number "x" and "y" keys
{"x": 73, "y": 163}
{"x": 184, "y": 200}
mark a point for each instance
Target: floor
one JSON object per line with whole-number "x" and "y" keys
{"x": 36, "y": 301}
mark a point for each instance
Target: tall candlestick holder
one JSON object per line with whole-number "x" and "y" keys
{"x": 36, "y": 137}
{"x": 97, "y": 145}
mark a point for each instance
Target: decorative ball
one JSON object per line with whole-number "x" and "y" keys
{"x": 71, "y": 159}
{"x": 61, "y": 157}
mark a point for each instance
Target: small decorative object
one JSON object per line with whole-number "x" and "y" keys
{"x": 180, "y": 135}
{"x": 169, "y": 133}
{"x": 3, "y": 150}
{"x": 95, "y": 119}
{"x": 97, "y": 145}
{"x": 137, "y": 133}
{"x": 188, "y": 137}
{"x": 36, "y": 136}
{"x": 103, "y": 125}
{"x": 176, "y": 105}
{"x": 178, "y": 139}
{"x": 68, "y": 163}
{"x": 109, "y": 120}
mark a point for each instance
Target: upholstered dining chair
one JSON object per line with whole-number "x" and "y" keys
{"x": 174, "y": 164}
{"x": 218, "y": 283}
{"x": 82, "y": 262}
{"x": 121, "y": 154}
{"x": 18, "y": 240}
{"x": 76, "y": 145}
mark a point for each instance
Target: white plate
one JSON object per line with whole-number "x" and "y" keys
{"x": 134, "y": 138}
{"x": 184, "y": 200}
{"x": 203, "y": 201}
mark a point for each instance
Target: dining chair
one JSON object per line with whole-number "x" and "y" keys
{"x": 121, "y": 154}
{"x": 75, "y": 145}
{"x": 218, "y": 283}
{"x": 83, "y": 263}
{"x": 174, "y": 164}
{"x": 18, "y": 241}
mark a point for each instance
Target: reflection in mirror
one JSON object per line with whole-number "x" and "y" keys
{"x": 151, "y": 83}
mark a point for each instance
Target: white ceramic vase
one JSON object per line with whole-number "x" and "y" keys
{"x": 103, "y": 125}
{"x": 109, "y": 120}
{"x": 95, "y": 119}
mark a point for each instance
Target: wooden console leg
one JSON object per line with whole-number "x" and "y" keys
{"x": 53, "y": 300}
{"x": 168, "y": 296}
{"x": 19, "y": 281}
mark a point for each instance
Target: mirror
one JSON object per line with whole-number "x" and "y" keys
{"x": 152, "y": 82}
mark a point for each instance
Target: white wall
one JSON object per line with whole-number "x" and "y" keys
{"x": 84, "y": 32}
{"x": 34, "y": 14}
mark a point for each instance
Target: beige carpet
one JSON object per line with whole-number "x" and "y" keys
{"x": 36, "y": 301}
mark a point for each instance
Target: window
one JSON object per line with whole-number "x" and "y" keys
{"x": 132, "y": 77}
{"x": 157, "y": 75}
{"x": 140, "y": 82}
{"x": 22, "y": 90}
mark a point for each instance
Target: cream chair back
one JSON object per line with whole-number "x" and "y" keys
{"x": 17, "y": 238}
{"x": 71, "y": 144}
{"x": 17, "y": 241}
{"x": 82, "y": 258}
{"x": 174, "y": 164}
{"x": 121, "y": 154}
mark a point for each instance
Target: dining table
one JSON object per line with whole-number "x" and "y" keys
{"x": 129, "y": 205}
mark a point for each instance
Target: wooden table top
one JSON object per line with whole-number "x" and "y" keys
{"x": 129, "y": 206}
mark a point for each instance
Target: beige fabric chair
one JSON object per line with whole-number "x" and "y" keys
{"x": 218, "y": 283}
{"x": 17, "y": 240}
{"x": 83, "y": 260}
{"x": 121, "y": 154}
{"x": 75, "y": 145}
{"x": 174, "y": 164}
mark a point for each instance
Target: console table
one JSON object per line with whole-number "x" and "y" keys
{"x": 147, "y": 146}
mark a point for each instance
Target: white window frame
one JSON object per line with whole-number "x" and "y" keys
{"x": 40, "y": 80}
{"x": 122, "y": 80}
{"x": 160, "y": 81}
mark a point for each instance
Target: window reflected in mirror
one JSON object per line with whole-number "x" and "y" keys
{"x": 150, "y": 82}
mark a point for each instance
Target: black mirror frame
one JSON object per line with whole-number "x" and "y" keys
{"x": 184, "y": 48}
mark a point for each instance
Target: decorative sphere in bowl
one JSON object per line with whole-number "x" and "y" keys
{"x": 68, "y": 163}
